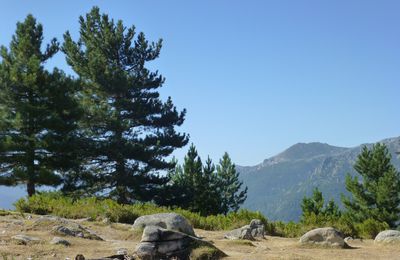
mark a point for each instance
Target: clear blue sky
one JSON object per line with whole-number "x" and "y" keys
{"x": 259, "y": 76}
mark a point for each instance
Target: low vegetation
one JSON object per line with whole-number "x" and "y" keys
{"x": 55, "y": 203}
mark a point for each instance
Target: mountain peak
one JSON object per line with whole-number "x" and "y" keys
{"x": 302, "y": 151}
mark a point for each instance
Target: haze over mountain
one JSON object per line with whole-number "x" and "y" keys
{"x": 277, "y": 185}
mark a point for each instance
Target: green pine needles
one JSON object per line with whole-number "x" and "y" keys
{"x": 207, "y": 189}
{"x": 376, "y": 195}
{"x": 39, "y": 112}
{"x": 106, "y": 132}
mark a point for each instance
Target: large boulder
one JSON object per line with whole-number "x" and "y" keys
{"x": 170, "y": 221}
{"x": 160, "y": 243}
{"x": 256, "y": 229}
{"x": 323, "y": 236}
{"x": 388, "y": 236}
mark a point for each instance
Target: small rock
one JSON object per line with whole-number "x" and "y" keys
{"x": 106, "y": 221}
{"x": 347, "y": 239}
{"x": 79, "y": 257}
{"x": 59, "y": 241}
{"x": 254, "y": 230}
{"x": 122, "y": 251}
{"x": 240, "y": 233}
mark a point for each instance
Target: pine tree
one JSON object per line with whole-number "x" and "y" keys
{"x": 196, "y": 186}
{"x": 210, "y": 196}
{"x": 230, "y": 185}
{"x": 131, "y": 131}
{"x": 313, "y": 204}
{"x": 187, "y": 180}
{"x": 38, "y": 112}
{"x": 315, "y": 207}
{"x": 377, "y": 195}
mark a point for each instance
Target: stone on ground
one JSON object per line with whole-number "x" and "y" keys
{"x": 160, "y": 243}
{"x": 170, "y": 221}
{"x": 324, "y": 237}
{"x": 256, "y": 229}
{"x": 23, "y": 239}
{"x": 388, "y": 236}
{"x": 59, "y": 241}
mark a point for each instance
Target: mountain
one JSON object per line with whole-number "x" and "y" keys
{"x": 278, "y": 184}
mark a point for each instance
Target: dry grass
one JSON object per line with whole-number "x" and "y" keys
{"x": 121, "y": 236}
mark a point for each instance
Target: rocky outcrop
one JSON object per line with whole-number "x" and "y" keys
{"x": 64, "y": 227}
{"x": 161, "y": 243}
{"x": 324, "y": 237}
{"x": 170, "y": 221}
{"x": 75, "y": 230}
{"x": 388, "y": 236}
{"x": 24, "y": 240}
{"x": 255, "y": 229}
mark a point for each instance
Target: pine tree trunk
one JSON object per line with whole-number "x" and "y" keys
{"x": 121, "y": 189}
{"x": 30, "y": 187}
{"x": 31, "y": 152}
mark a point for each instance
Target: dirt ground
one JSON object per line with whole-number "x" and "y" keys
{"x": 120, "y": 236}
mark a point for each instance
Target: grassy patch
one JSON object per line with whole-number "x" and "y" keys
{"x": 4, "y": 212}
{"x": 205, "y": 253}
{"x": 55, "y": 203}
{"x": 240, "y": 242}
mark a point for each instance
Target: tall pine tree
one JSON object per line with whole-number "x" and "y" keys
{"x": 230, "y": 186}
{"x": 196, "y": 185}
{"x": 377, "y": 195}
{"x": 131, "y": 131}
{"x": 38, "y": 112}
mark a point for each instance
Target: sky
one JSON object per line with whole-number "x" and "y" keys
{"x": 258, "y": 76}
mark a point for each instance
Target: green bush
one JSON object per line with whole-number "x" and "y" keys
{"x": 56, "y": 204}
{"x": 370, "y": 228}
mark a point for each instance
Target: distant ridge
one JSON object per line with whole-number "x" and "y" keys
{"x": 278, "y": 184}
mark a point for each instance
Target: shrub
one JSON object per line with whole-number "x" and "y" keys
{"x": 370, "y": 228}
{"x": 56, "y": 204}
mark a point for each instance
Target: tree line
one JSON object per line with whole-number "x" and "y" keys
{"x": 106, "y": 132}
{"x": 374, "y": 203}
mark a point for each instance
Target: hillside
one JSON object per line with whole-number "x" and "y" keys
{"x": 120, "y": 237}
{"x": 278, "y": 184}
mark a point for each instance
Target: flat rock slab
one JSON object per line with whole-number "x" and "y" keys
{"x": 388, "y": 236}
{"x": 75, "y": 230}
{"x": 324, "y": 237}
{"x": 170, "y": 221}
{"x": 23, "y": 239}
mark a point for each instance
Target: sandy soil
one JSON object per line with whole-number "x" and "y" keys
{"x": 120, "y": 236}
